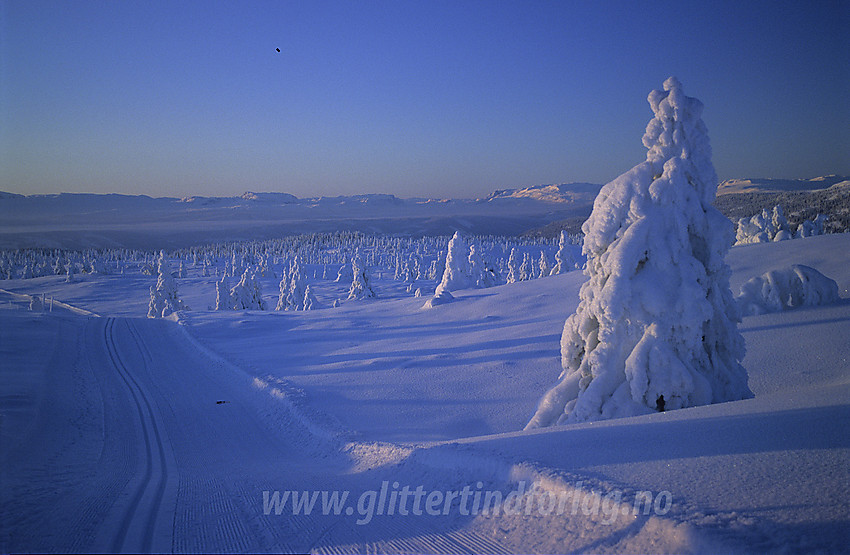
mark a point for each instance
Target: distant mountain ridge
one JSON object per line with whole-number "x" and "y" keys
{"x": 84, "y": 220}
{"x": 566, "y": 192}
{"x": 73, "y": 220}
{"x": 764, "y": 185}
{"x": 577, "y": 192}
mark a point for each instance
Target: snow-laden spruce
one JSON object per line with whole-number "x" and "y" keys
{"x": 222, "y": 294}
{"x": 293, "y": 289}
{"x": 656, "y": 326}
{"x": 564, "y": 260}
{"x": 361, "y": 284}
{"x": 464, "y": 268}
{"x": 164, "y": 299}
{"x": 482, "y": 275}
{"x": 784, "y": 289}
{"x": 513, "y": 267}
{"x": 457, "y": 274}
{"x": 248, "y": 293}
{"x": 808, "y": 228}
{"x": 763, "y": 228}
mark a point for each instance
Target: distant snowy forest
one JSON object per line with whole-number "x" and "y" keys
{"x": 418, "y": 264}
{"x": 798, "y": 205}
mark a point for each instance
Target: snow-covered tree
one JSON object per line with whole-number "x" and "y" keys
{"x": 346, "y": 273}
{"x": 525, "y": 269}
{"x": 456, "y": 275}
{"x": 99, "y": 266}
{"x": 222, "y": 294}
{"x": 513, "y": 267}
{"x": 59, "y": 266}
{"x": 543, "y": 264}
{"x": 810, "y": 228}
{"x": 481, "y": 275}
{"x": 248, "y": 293}
{"x": 310, "y": 302}
{"x": 164, "y": 299}
{"x": 564, "y": 260}
{"x": 656, "y": 325}
{"x": 781, "y": 229}
{"x": 764, "y": 227}
{"x": 293, "y": 287}
{"x": 361, "y": 287}
{"x": 438, "y": 267}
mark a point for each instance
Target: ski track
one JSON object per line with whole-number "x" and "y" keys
{"x": 140, "y": 517}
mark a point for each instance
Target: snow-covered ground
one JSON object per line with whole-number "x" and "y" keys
{"x": 121, "y": 433}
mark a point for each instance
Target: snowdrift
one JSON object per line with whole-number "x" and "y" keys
{"x": 791, "y": 287}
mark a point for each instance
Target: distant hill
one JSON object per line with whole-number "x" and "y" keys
{"x": 798, "y": 205}
{"x": 72, "y": 220}
{"x": 90, "y": 221}
{"x": 579, "y": 193}
{"x": 778, "y": 185}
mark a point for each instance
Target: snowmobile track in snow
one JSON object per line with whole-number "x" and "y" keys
{"x": 145, "y": 503}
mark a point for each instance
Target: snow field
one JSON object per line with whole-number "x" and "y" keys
{"x": 345, "y": 399}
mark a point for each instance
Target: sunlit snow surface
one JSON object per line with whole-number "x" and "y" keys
{"x": 113, "y": 439}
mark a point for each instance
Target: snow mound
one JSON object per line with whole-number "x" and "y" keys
{"x": 787, "y": 288}
{"x": 440, "y": 297}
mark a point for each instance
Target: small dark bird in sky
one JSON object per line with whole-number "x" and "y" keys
{"x": 278, "y": 49}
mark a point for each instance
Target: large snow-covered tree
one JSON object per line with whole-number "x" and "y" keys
{"x": 656, "y": 325}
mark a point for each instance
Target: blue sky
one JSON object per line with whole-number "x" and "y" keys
{"x": 423, "y": 98}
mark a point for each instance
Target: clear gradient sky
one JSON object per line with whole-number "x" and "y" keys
{"x": 413, "y": 98}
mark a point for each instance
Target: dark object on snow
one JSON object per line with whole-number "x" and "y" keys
{"x": 278, "y": 49}
{"x": 659, "y": 403}
{"x": 220, "y": 402}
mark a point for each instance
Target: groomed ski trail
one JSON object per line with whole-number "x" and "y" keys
{"x": 144, "y": 517}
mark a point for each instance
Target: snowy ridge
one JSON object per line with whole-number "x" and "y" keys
{"x": 764, "y": 185}
{"x": 78, "y": 221}
{"x": 567, "y": 192}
